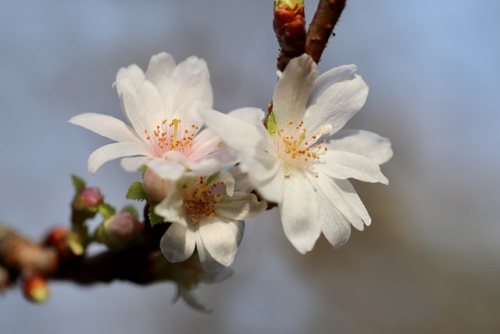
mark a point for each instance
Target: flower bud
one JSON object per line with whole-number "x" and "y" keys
{"x": 88, "y": 199}
{"x": 119, "y": 230}
{"x": 35, "y": 289}
{"x": 154, "y": 187}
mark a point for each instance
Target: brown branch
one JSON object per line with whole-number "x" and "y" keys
{"x": 290, "y": 28}
{"x": 20, "y": 257}
{"x": 321, "y": 27}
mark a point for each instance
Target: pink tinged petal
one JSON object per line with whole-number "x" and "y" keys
{"x": 335, "y": 195}
{"x": 240, "y": 206}
{"x": 344, "y": 165}
{"x": 221, "y": 238}
{"x": 167, "y": 169}
{"x": 177, "y": 244}
{"x": 142, "y": 105}
{"x": 293, "y": 89}
{"x": 207, "y": 261}
{"x": 337, "y": 96}
{"x": 114, "y": 151}
{"x": 133, "y": 164}
{"x": 366, "y": 143}
{"x": 250, "y": 115}
{"x": 204, "y": 142}
{"x": 106, "y": 126}
{"x": 334, "y": 225}
{"x": 160, "y": 69}
{"x": 299, "y": 213}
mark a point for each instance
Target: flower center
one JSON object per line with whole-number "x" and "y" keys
{"x": 201, "y": 197}
{"x": 171, "y": 137}
{"x": 296, "y": 148}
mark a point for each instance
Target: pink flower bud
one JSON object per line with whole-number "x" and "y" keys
{"x": 88, "y": 199}
{"x": 119, "y": 229}
{"x": 154, "y": 187}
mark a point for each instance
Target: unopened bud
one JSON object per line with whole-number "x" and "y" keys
{"x": 58, "y": 238}
{"x": 35, "y": 289}
{"x": 154, "y": 187}
{"x": 119, "y": 230}
{"x": 88, "y": 199}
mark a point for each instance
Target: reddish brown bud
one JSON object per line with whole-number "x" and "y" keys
{"x": 35, "y": 289}
{"x": 289, "y": 27}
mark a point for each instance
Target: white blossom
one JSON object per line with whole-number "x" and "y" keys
{"x": 161, "y": 106}
{"x": 302, "y": 161}
{"x": 207, "y": 212}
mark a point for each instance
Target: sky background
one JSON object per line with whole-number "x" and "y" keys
{"x": 429, "y": 262}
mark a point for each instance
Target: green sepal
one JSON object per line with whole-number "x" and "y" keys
{"x": 143, "y": 169}
{"x": 78, "y": 183}
{"x": 106, "y": 210}
{"x": 136, "y": 192}
{"x": 130, "y": 209}
{"x": 213, "y": 177}
{"x": 271, "y": 124}
{"x": 153, "y": 217}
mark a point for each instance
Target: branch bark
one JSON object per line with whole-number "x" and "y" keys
{"x": 321, "y": 27}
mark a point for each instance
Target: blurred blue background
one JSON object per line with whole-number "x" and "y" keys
{"x": 428, "y": 264}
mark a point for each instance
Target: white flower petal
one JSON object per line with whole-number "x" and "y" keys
{"x": 172, "y": 208}
{"x": 207, "y": 261}
{"x": 160, "y": 69}
{"x": 266, "y": 173}
{"x": 191, "y": 299}
{"x": 344, "y": 165}
{"x": 334, "y": 225}
{"x": 133, "y": 164}
{"x": 113, "y": 151}
{"x": 243, "y": 136}
{"x": 366, "y": 143}
{"x": 141, "y": 103}
{"x": 299, "y": 212}
{"x": 336, "y": 97}
{"x": 221, "y": 238}
{"x": 240, "y": 206}
{"x": 292, "y": 90}
{"x": 177, "y": 244}
{"x": 193, "y": 90}
{"x": 251, "y": 115}
{"x": 351, "y": 197}
{"x": 228, "y": 179}
{"x": 241, "y": 181}
{"x": 106, "y": 126}
{"x": 167, "y": 170}
{"x": 336, "y": 197}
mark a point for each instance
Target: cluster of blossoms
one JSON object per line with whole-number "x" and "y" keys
{"x": 204, "y": 169}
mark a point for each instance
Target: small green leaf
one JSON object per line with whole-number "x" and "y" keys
{"x": 130, "y": 209}
{"x": 106, "y": 210}
{"x": 136, "y": 192}
{"x": 78, "y": 183}
{"x": 153, "y": 217}
{"x": 271, "y": 124}
{"x": 213, "y": 177}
